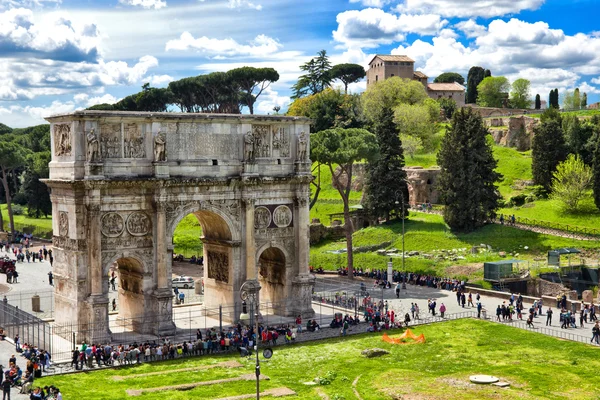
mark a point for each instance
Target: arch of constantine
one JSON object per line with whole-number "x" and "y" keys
{"x": 121, "y": 182}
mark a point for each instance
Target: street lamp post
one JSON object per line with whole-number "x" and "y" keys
{"x": 400, "y": 194}
{"x": 249, "y": 292}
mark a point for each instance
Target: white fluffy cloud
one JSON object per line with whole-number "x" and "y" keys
{"x": 268, "y": 100}
{"x": 372, "y": 27}
{"x": 372, "y": 3}
{"x": 27, "y": 79}
{"x": 155, "y": 4}
{"x": 261, "y": 46}
{"x": 85, "y": 99}
{"x": 160, "y": 80}
{"x": 244, "y": 3}
{"x": 22, "y": 116}
{"x": 471, "y": 28}
{"x": 55, "y": 36}
{"x": 468, "y": 8}
{"x": 6, "y": 4}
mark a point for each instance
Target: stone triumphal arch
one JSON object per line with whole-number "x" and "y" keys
{"x": 121, "y": 182}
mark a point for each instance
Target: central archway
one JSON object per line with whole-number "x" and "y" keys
{"x": 219, "y": 251}
{"x": 273, "y": 277}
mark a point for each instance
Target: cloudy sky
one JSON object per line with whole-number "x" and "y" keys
{"x": 61, "y": 55}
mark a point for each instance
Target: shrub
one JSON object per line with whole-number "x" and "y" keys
{"x": 518, "y": 200}
{"x": 17, "y": 209}
{"x": 20, "y": 198}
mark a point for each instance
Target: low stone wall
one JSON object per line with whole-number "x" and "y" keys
{"x": 320, "y": 232}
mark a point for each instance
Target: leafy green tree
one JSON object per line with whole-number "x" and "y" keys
{"x": 252, "y": 82}
{"x": 577, "y": 137}
{"x": 36, "y": 192}
{"x": 596, "y": 171}
{"x": 520, "y": 94}
{"x": 153, "y": 99}
{"x": 448, "y": 105}
{"x": 571, "y": 182}
{"x": 418, "y": 120}
{"x": 316, "y": 78}
{"x": 467, "y": 177}
{"x": 347, "y": 74}
{"x": 492, "y": 91}
{"x": 476, "y": 75}
{"x": 411, "y": 145}
{"x": 343, "y": 148}
{"x": 487, "y": 74}
{"x": 12, "y": 156}
{"x": 389, "y": 94}
{"x": 548, "y": 149}
{"x": 330, "y": 108}
{"x": 450, "y": 77}
{"x": 572, "y": 100}
{"x": 538, "y": 102}
{"x": 4, "y": 129}
{"x": 102, "y": 107}
{"x": 385, "y": 174}
{"x": 584, "y": 101}
{"x": 553, "y": 99}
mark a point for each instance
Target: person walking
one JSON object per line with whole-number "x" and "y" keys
{"x": 596, "y": 333}
{"x": 549, "y": 317}
{"x": 51, "y": 278}
{"x": 470, "y": 302}
{"x": 114, "y": 304}
{"x": 479, "y": 308}
{"x": 442, "y": 309}
{"x": 6, "y": 385}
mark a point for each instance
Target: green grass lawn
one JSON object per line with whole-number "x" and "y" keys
{"x": 427, "y": 233}
{"x": 43, "y": 223}
{"x": 514, "y": 166}
{"x": 551, "y": 210}
{"x": 536, "y": 366}
{"x": 186, "y": 238}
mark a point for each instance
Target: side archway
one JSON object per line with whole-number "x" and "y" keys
{"x": 274, "y": 274}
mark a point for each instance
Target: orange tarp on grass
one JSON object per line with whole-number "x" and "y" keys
{"x": 405, "y": 336}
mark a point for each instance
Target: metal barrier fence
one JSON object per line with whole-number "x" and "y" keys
{"x": 30, "y": 329}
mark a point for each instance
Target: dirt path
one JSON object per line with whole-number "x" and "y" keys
{"x": 226, "y": 364}
{"x": 189, "y": 386}
{"x": 354, "y": 387}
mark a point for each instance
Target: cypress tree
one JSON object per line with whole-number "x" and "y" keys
{"x": 476, "y": 75}
{"x": 467, "y": 178}
{"x": 548, "y": 148}
{"x": 538, "y": 102}
{"x": 584, "y": 101}
{"x": 596, "y": 170}
{"x": 385, "y": 175}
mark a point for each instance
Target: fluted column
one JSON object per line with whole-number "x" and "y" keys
{"x": 303, "y": 234}
{"x": 251, "y": 271}
{"x": 161, "y": 246}
{"x": 95, "y": 249}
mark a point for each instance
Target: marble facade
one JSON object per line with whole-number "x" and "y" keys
{"x": 121, "y": 182}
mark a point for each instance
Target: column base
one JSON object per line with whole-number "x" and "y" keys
{"x": 302, "y": 287}
{"x": 94, "y": 170}
{"x": 98, "y": 329}
{"x": 162, "y": 324}
{"x": 161, "y": 169}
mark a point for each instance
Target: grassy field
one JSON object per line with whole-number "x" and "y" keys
{"x": 551, "y": 210}
{"x": 43, "y": 223}
{"x": 186, "y": 238}
{"x": 429, "y": 235}
{"x": 536, "y": 366}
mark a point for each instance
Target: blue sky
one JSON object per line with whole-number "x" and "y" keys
{"x": 59, "y": 56}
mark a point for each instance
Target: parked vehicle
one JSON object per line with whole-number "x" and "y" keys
{"x": 7, "y": 265}
{"x": 183, "y": 282}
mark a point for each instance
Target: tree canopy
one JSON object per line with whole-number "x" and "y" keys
{"x": 450, "y": 77}
{"x": 520, "y": 96}
{"x": 548, "y": 149}
{"x": 467, "y": 177}
{"x": 493, "y": 91}
{"x": 476, "y": 75}
{"x": 347, "y": 74}
{"x": 571, "y": 182}
{"x": 316, "y": 78}
{"x": 343, "y": 148}
{"x": 389, "y": 94}
{"x": 252, "y": 82}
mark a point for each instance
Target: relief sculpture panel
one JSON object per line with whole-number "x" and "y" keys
{"x": 262, "y": 141}
{"x": 110, "y": 140}
{"x": 62, "y": 140}
{"x": 63, "y": 224}
{"x": 138, "y": 224}
{"x": 112, "y": 224}
{"x": 133, "y": 142}
{"x": 281, "y": 142}
{"x": 282, "y": 216}
{"x": 218, "y": 266}
{"x": 262, "y": 217}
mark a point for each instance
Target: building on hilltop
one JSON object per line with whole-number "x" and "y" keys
{"x": 383, "y": 67}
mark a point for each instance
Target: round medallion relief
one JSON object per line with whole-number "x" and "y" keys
{"x": 262, "y": 217}
{"x": 138, "y": 224}
{"x": 63, "y": 224}
{"x": 112, "y": 225}
{"x": 282, "y": 216}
